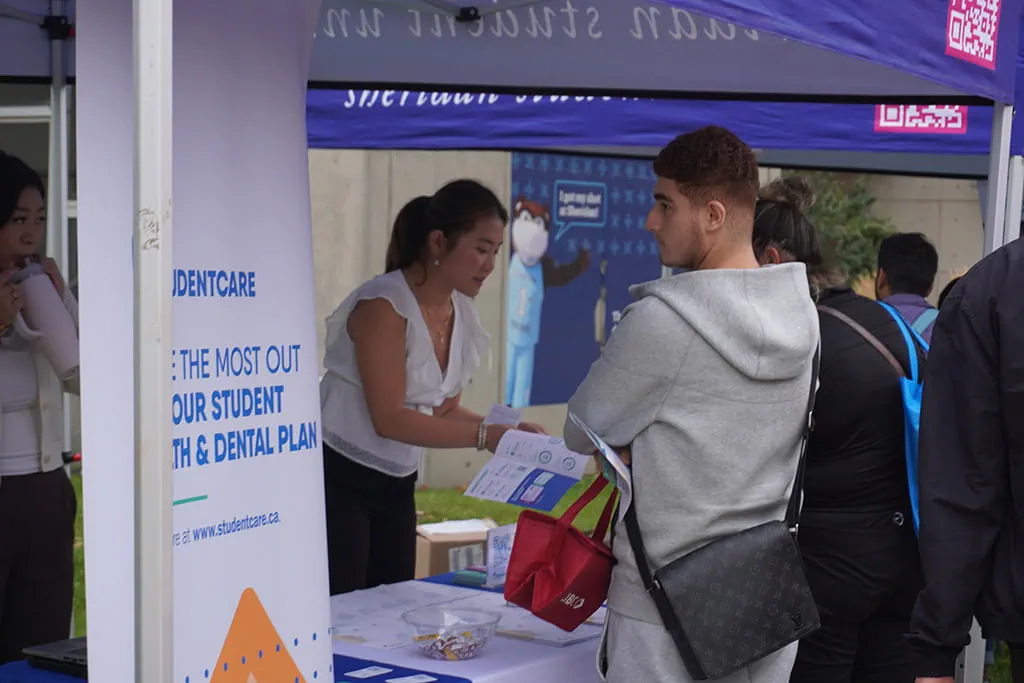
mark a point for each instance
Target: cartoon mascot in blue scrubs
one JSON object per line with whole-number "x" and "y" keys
{"x": 530, "y": 271}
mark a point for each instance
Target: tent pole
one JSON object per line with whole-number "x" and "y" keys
{"x": 57, "y": 182}
{"x": 998, "y": 171}
{"x": 154, "y": 604}
{"x": 57, "y": 199}
{"x": 1014, "y": 199}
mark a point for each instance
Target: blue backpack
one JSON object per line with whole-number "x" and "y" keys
{"x": 910, "y": 387}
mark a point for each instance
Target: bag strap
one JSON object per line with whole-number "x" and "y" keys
{"x": 911, "y": 339}
{"x": 601, "y": 530}
{"x": 792, "y": 509}
{"x": 564, "y": 523}
{"x": 868, "y": 337}
{"x": 924, "y": 320}
{"x": 569, "y": 516}
{"x": 796, "y": 496}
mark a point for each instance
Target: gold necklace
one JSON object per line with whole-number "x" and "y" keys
{"x": 441, "y": 331}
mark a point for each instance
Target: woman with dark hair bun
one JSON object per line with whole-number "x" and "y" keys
{"x": 856, "y": 530}
{"x": 37, "y": 501}
{"x": 400, "y": 351}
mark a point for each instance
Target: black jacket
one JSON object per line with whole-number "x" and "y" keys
{"x": 972, "y": 466}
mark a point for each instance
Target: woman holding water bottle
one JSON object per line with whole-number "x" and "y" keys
{"x": 400, "y": 350}
{"x": 37, "y": 501}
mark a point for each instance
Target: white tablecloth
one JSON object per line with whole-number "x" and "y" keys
{"x": 504, "y": 660}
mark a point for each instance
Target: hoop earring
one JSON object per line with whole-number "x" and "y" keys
{"x": 436, "y": 263}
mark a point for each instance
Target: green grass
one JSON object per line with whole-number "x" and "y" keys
{"x": 438, "y": 505}
{"x": 76, "y": 480}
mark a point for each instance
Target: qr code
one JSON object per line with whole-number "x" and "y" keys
{"x": 920, "y": 118}
{"x": 972, "y": 27}
{"x": 502, "y": 545}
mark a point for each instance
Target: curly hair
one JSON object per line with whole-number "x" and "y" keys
{"x": 710, "y": 163}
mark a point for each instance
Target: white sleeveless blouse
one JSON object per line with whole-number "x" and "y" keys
{"x": 347, "y": 427}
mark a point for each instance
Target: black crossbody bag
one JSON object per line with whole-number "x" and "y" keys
{"x": 736, "y": 600}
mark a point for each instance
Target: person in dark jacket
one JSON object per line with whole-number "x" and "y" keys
{"x": 907, "y": 264}
{"x": 971, "y": 473}
{"x": 947, "y": 289}
{"x": 856, "y": 529}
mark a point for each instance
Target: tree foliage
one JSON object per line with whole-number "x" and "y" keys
{"x": 849, "y": 230}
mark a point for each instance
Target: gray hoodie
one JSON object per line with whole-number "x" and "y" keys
{"x": 707, "y": 378}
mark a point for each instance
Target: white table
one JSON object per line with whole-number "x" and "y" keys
{"x": 503, "y": 660}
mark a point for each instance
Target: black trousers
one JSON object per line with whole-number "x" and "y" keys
{"x": 37, "y": 566}
{"x": 371, "y": 525}
{"x": 865, "y": 574}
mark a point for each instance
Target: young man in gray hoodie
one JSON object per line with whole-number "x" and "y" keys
{"x": 704, "y": 385}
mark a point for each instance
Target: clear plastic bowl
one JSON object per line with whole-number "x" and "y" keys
{"x": 449, "y": 633}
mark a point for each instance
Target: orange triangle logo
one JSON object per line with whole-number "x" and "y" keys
{"x": 253, "y": 651}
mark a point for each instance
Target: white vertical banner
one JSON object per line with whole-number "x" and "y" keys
{"x": 250, "y": 591}
{"x": 250, "y": 558}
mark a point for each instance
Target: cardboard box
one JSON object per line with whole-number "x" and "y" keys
{"x": 437, "y": 545}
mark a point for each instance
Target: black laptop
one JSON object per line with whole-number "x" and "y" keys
{"x": 65, "y": 656}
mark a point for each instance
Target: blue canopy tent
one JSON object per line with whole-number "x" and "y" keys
{"x": 960, "y": 52}
{"x": 939, "y": 140}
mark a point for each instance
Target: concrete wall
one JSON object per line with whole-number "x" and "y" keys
{"x": 947, "y": 211}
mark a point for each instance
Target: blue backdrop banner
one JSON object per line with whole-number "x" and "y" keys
{"x": 578, "y": 243}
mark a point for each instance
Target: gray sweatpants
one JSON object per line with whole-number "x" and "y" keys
{"x": 638, "y": 651}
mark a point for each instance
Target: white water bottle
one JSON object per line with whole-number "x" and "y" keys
{"x": 45, "y": 320}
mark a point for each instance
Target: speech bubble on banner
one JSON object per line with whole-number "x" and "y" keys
{"x": 579, "y": 204}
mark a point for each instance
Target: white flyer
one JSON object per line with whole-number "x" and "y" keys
{"x": 614, "y": 470}
{"x": 529, "y": 470}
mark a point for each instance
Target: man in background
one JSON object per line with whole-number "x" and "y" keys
{"x": 907, "y": 264}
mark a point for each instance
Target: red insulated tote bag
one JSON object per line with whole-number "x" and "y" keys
{"x": 556, "y": 571}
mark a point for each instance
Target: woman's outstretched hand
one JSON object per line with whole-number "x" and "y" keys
{"x": 531, "y": 427}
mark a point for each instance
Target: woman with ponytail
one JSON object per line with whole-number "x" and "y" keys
{"x": 856, "y": 529}
{"x": 400, "y": 350}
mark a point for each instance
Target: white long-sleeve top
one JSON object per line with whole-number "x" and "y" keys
{"x": 31, "y": 404}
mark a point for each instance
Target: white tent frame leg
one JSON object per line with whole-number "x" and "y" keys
{"x": 153, "y": 253}
{"x": 58, "y": 176}
{"x": 998, "y": 177}
{"x": 1014, "y": 199}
